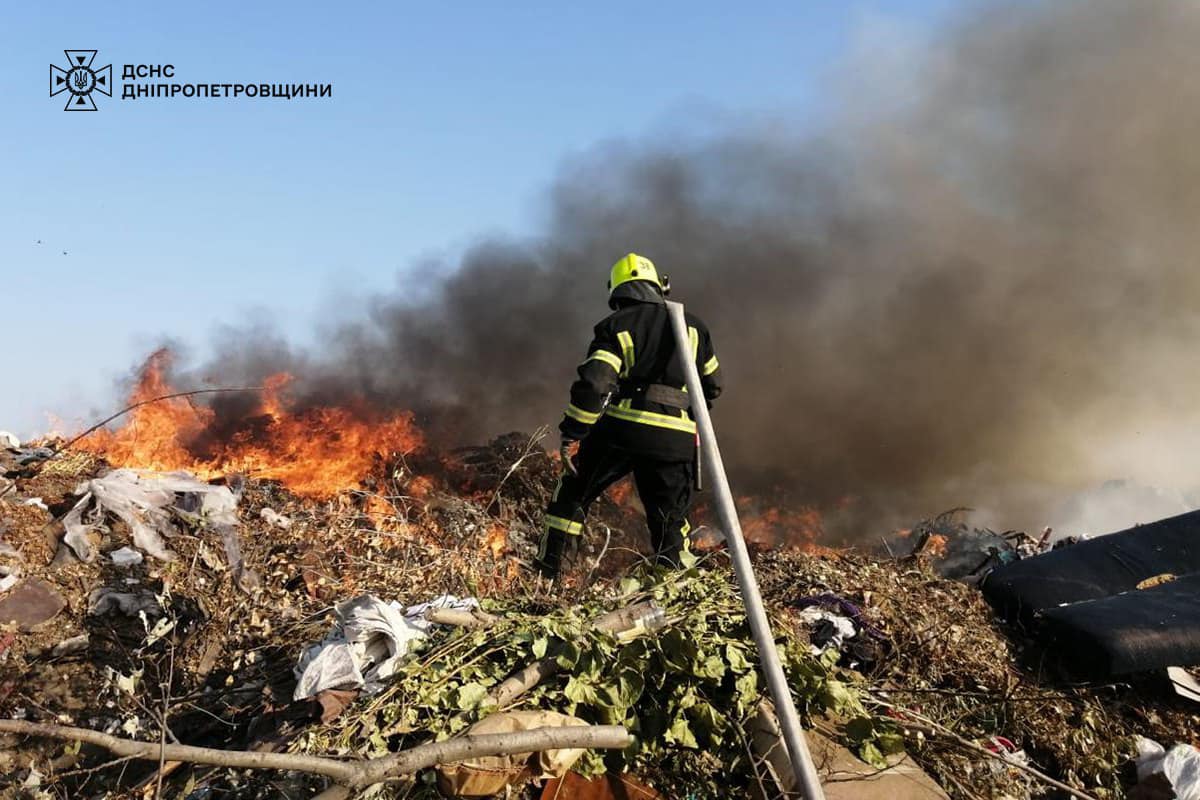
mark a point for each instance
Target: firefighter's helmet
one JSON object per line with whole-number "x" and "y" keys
{"x": 637, "y": 268}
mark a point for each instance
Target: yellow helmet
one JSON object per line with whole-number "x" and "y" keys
{"x": 636, "y": 268}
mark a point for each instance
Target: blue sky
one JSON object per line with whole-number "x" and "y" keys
{"x": 447, "y": 122}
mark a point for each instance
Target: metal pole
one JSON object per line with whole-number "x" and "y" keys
{"x": 789, "y": 720}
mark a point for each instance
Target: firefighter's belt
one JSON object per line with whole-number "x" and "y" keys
{"x": 656, "y": 393}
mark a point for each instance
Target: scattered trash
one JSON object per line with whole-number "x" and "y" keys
{"x": 365, "y": 645}
{"x": 125, "y": 557}
{"x": 9, "y": 441}
{"x": 273, "y": 517}
{"x": 132, "y": 604}
{"x": 651, "y": 620}
{"x": 25, "y": 456}
{"x": 150, "y": 504}
{"x": 835, "y": 622}
{"x": 1184, "y": 684}
{"x": 826, "y": 629}
{"x": 1176, "y": 770}
{"x": 484, "y": 777}
{"x": 943, "y": 655}
{"x": 9, "y": 581}
{"x": 1009, "y": 754}
{"x": 36, "y": 502}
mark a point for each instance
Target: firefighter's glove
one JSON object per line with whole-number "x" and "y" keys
{"x": 565, "y": 451}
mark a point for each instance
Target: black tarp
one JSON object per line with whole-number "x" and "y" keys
{"x": 1100, "y": 567}
{"x": 1137, "y": 631}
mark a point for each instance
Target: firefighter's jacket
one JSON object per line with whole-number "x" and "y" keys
{"x": 632, "y": 350}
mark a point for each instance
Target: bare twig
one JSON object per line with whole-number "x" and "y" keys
{"x": 166, "y": 710}
{"x": 537, "y": 437}
{"x": 351, "y": 774}
{"x": 973, "y": 746}
{"x": 587, "y": 581}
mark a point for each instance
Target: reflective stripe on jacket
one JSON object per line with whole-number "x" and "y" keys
{"x": 634, "y": 348}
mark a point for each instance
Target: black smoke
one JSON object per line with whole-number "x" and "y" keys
{"x": 976, "y": 284}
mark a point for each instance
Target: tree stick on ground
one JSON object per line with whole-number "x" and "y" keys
{"x": 353, "y": 774}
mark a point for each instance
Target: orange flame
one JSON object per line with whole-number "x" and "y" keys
{"x": 779, "y": 527}
{"x": 497, "y": 540}
{"x": 315, "y": 452}
{"x": 936, "y": 546}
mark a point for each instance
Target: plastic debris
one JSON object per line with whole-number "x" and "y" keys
{"x": 1179, "y": 767}
{"x": 125, "y": 557}
{"x": 273, "y": 517}
{"x": 150, "y": 504}
{"x": 9, "y": 441}
{"x": 105, "y": 600}
{"x": 366, "y": 644}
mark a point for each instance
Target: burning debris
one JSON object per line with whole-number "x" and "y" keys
{"x": 314, "y": 452}
{"x": 883, "y": 266}
{"x": 884, "y": 656}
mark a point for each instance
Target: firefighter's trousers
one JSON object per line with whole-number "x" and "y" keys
{"x": 665, "y": 488}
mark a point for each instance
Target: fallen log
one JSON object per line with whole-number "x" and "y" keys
{"x": 352, "y": 774}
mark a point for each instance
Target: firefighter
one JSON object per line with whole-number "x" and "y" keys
{"x": 629, "y": 413}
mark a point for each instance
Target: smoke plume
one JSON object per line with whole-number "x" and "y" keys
{"x": 976, "y": 284}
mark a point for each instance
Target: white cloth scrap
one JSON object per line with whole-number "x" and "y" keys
{"x": 367, "y": 643}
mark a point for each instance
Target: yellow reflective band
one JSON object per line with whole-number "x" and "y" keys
{"x": 564, "y": 525}
{"x": 586, "y": 417}
{"x": 650, "y": 418}
{"x": 626, "y": 342}
{"x": 711, "y": 366}
{"x": 694, "y": 338}
{"x": 612, "y": 359}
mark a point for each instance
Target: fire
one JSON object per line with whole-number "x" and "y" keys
{"x": 774, "y": 526}
{"x": 154, "y": 433}
{"x": 936, "y": 546}
{"x": 315, "y": 451}
{"x": 497, "y": 540}
{"x": 621, "y": 492}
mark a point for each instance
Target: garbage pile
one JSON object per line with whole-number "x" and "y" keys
{"x": 400, "y": 615}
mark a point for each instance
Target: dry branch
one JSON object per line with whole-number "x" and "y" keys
{"x": 463, "y": 618}
{"x": 525, "y": 679}
{"x": 354, "y": 774}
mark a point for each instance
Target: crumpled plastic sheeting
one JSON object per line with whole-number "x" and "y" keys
{"x": 366, "y": 645}
{"x": 106, "y": 600}
{"x": 1180, "y": 766}
{"x": 147, "y": 503}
